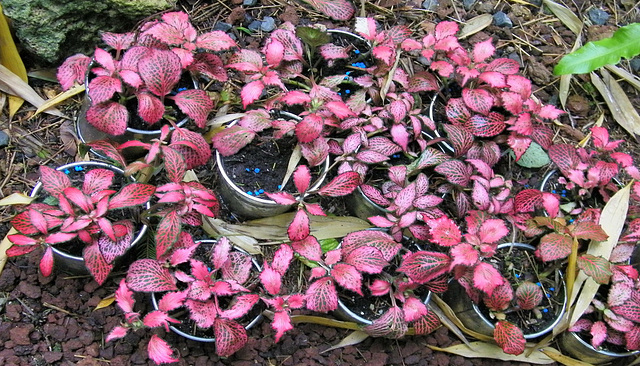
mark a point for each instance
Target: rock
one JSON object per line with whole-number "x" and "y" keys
{"x": 4, "y": 139}
{"x": 635, "y": 63}
{"x": 73, "y": 26}
{"x": 20, "y": 334}
{"x": 255, "y": 25}
{"x": 431, "y": 5}
{"x": 501, "y": 19}
{"x": 52, "y": 356}
{"x": 249, "y": 2}
{"x": 468, "y": 4}
{"x": 598, "y": 16}
{"x": 514, "y": 56}
{"x": 222, "y": 26}
{"x": 268, "y": 24}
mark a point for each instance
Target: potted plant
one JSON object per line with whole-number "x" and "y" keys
{"x": 85, "y": 207}
{"x": 206, "y": 283}
{"x": 135, "y": 83}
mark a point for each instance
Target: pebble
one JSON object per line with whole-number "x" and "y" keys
{"x": 598, "y": 16}
{"x": 254, "y": 25}
{"x": 249, "y": 2}
{"x": 501, "y": 19}
{"x": 468, "y": 4}
{"x": 431, "y": 5}
{"x": 4, "y": 139}
{"x": 268, "y": 24}
{"x": 635, "y": 64}
{"x": 514, "y": 56}
{"x": 222, "y": 26}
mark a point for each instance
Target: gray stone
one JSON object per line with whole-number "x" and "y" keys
{"x": 598, "y": 16}
{"x": 249, "y": 2}
{"x": 501, "y": 19}
{"x": 514, "y": 56}
{"x": 222, "y": 26}
{"x": 468, "y": 4}
{"x": 635, "y": 63}
{"x": 431, "y": 5}
{"x": 268, "y": 24}
{"x": 254, "y": 25}
{"x": 4, "y": 139}
{"x": 52, "y": 30}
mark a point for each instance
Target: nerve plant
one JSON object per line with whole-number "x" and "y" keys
{"x": 216, "y": 293}
{"x": 141, "y": 71}
{"x": 91, "y": 214}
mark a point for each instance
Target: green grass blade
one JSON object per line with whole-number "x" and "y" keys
{"x": 593, "y": 55}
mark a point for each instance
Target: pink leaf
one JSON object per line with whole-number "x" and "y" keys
{"x": 102, "y": 88}
{"x": 116, "y": 333}
{"x": 160, "y": 71}
{"x": 341, "y": 185}
{"x": 302, "y": 178}
{"x": 464, "y": 254}
{"x": 46, "y": 263}
{"x": 380, "y": 240}
{"x": 133, "y": 194}
{"x": 215, "y": 41}
{"x": 308, "y": 248}
{"x": 336, "y": 9}
{"x": 299, "y": 228}
{"x": 196, "y": 104}
{"x": 493, "y": 230}
{"x": 172, "y": 300}
{"x": 391, "y": 324}
{"x": 423, "y": 266}
{"x": 241, "y": 306}
{"x": 159, "y": 351}
{"x": 486, "y": 277}
{"x": 147, "y": 275}
{"x": 251, "y": 92}
{"x": 282, "y": 198}
{"x": 309, "y": 128}
{"x": 109, "y": 117}
{"x": 281, "y": 323}
{"x": 444, "y": 231}
{"x": 509, "y": 338}
{"x": 271, "y": 280}
{"x": 73, "y": 70}
{"x": 528, "y": 295}
{"x": 598, "y": 333}
{"x": 478, "y": 100}
{"x": 230, "y": 140}
{"x": 554, "y": 246}
{"x": 348, "y": 277}
{"x": 322, "y": 296}
{"x": 483, "y": 50}
{"x": 366, "y": 259}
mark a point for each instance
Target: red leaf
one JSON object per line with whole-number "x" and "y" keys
{"x": 486, "y": 126}
{"x": 423, "y": 266}
{"x": 282, "y": 198}
{"x": 309, "y": 128}
{"x": 159, "y": 351}
{"x": 54, "y": 182}
{"x": 160, "y": 71}
{"x": 133, "y": 194}
{"x": 148, "y": 275}
{"x": 527, "y": 200}
{"x": 500, "y": 298}
{"x": 598, "y": 268}
{"x": 302, "y": 178}
{"x": 509, "y": 338}
{"x": 341, "y": 185}
{"x": 109, "y": 117}
{"x": 196, "y": 104}
{"x": 564, "y": 155}
{"x": 380, "y": 240}
{"x": 444, "y": 231}
{"x": 554, "y": 246}
{"x": 589, "y": 230}
{"x": 478, "y": 100}
{"x": 486, "y": 277}
{"x": 230, "y": 140}
{"x": 529, "y": 295}
{"x": 427, "y": 324}
{"x": 46, "y": 263}
{"x": 322, "y": 296}
{"x": 348, "y": 277}
{"x": 96, "y": 264}
{"x": 366, "y": 259}
{"x": 167, "y": 233}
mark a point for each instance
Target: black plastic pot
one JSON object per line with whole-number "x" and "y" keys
{"x": 572, "y": 345}
{"x": 74, "y": 264}
{"x": 472, "y": 317}
{"x": 250, "y": 324}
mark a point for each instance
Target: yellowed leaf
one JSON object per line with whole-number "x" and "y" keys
{"x": 16, "y": 199}
{"x": 565, "y": 80}
{"x": 11, "y": 83}
{"x": 106, "y": 302}
{"x": 10, "y": 58}
{"x": 488, "y": 350}
{"x": 621, "y": 109}
{"x": 294, "y": 159}
{"x": 566, "y": 16}
{"x": 4, "y": 245}
{"x": 475, "y": 25}
{"x": 612, "y": 221}
{"x": 322, "y": 227}
{"x": 444, "y": 318}
{"x": 355, "y": 337}
{"x": 559, "y": 357}
{"x": 217, "y": 228}
{"x": 76, "y": 89}
{"x": 625, "y": 75}
{"x": 450, "y": 314}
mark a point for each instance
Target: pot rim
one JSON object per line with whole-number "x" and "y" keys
{"x": 265, "y": 201}
{"x": 558, "y": 316}
{"x": 600, "y": 351}
{"x": 192, "y": 337}
{"x": 36, "y": 190}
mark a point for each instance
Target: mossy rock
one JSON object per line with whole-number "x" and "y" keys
{"x": 51, "y": 30}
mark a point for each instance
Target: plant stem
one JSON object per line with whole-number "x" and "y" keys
{"x": 571, "y": 266}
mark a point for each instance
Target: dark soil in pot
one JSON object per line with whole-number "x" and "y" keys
{"x": 260, "y": 166}
{"x": 518, "y": 265}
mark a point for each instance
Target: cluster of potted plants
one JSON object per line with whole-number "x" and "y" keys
{"x": 423, "y": 148}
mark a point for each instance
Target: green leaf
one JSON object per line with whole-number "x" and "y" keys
{"x": 312, "y": 36}
{"x": 593, "y": 55}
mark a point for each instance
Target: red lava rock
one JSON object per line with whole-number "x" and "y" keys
{"x": 412, "y": 360}
{"x": 86, "y": 337}
{"x": 89, "y": 361}
{"x": 93, "y": 350}
{"x": 13, "y": 312}
{"x": 91, "y": 287}
{"x": 578, "y": 105}
{"x": 20, "y": 334}
{"x": 52, "y": 356}
{"x": 237, "y": 15}
{"x": 72, "y": 345}
{"x": 440, "y": 359}
{"x": 378, "y": 359}
{"x": 57, "y": 332}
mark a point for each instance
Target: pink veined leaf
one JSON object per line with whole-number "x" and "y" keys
{"x": 230, "y": 140}
{"x": 464, "y": 254}
{"x": 500, "y": 298}
{"x": 116, "y": 333}
{"x": 391, "y": 324}
{"x": 366, "y": 259}
{"x": 493, "y": 78}
{"x": 238, "y": 268}
{"x": 109, "y": 117}
{"x": 528, "y": 295}
{"x": 172, "y": 300}
{"x": 598, "y": 333}
{"x": 443, "y": 68}
{"x": 315, "y": 152}
{"x": 486, "y": 277}
{"x": 133, "y": 194}
{"x": 414, "y": 309}
{"x": 632, "y": 338}
{"x": 520, "y": 85}
{"x": 455, "y": 171}
{"x": 336, "y": 9}
{"x": 493, "y": 230}
{"x": 322, "y": 295}
{"x": 457, "y": 112}
{"x": 220, "y": 253}
{"x": 504, "y": 66}
{"x": 554, "y": 246}
{"x": 282, "y": 198}
{"x": 294, "y": 97}
{"x": 478, "y": 100}
{"x": 97, "y": 180}
{"x": 196, "y": 104}
{"x": 340, "y": 109}
{"x": 380, "y": 240}
{"x": 147, "y": 275}
{"x": 73, "y": 70}
{"x": 46, "y": 263}
{"x": 444, "y": 231}
{"x": 423, "y": 81}
{"x": 597, "y": 268}
{"x": 270, "y": 279}
{"x": 527, "y": 200}
{"x": 102, "y": 88}
{"x": 309, "y": 128}
{"x": 331, "y": 51}
{"x": 95, "y": 263}
{"x": 118, "y": 41}
{"x": 215, "y": 41}
{"x": 446, "y": 29}
{"x": 486, "y": 126}
{"x": 379, "y": 287}
{"x": 309, "y": 248}
{"x": 209, "y": 65}
{"x": 106, "y": 148}
{"x": 348, "y": 277}
{"x": 160, "y": 71}
{"x": 423, "y": 266}
{"x": 427, "y": 324}
{"x": 251, "y": 92}
{"x": 630, "y": 310}
{"x": 241, "y": 306}
{"x": 124, "y": 297}
{"x": 282, "y": 258}
{"x": 174, "y": 164}
{"x": 341, "y": 185}
{"x": 150, "y": 108}
{"x": 483, "y": 50}
{"x": 159, "y": 351}
{"x": 509, "y": 337}
{"x": 302, "y": 178}
{"x": 54, "y": 182}
{"x": 299, "y": 229}
{"x": 589, "y": 230}
{"x": 158, "y": 318}
{"x": 459, "y": 137}
{"x": 519, "y": 145}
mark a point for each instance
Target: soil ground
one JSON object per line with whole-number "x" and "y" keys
{"x": 51, "y": 321}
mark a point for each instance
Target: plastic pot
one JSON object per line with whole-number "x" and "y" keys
{"x": 572, "y": 345}
{"x": 252, "y": 322}
{"x": 252, "y": 207}
{"x": 472, "y": 317}
{"x": 74, "y": 264}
